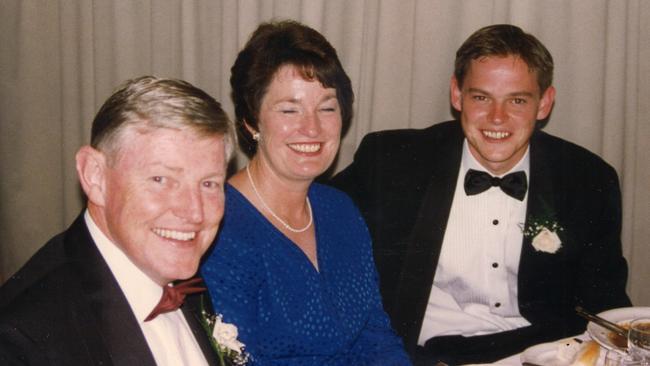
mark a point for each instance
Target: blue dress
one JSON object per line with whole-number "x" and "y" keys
{"x": 287, "y": 312}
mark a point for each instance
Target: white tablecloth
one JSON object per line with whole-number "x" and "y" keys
{"x": 515, "y": 360}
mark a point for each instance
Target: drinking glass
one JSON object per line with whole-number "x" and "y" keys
{"x": 638, "y": 340}
{"x": 616, "y": 358}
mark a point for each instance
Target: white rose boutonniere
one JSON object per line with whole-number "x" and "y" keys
{"x": 226, "y": 335}
{"x": 223, "y": 338}
{"x": 545, "y": 235}
{"x": 547, "y": 241}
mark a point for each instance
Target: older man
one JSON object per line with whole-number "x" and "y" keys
{"x": 153, "y": 175}
{"x": 488, "y": 231}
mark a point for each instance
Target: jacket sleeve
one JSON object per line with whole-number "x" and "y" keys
{"x": 603, "y": 270}
{"x": 17, "y": 349}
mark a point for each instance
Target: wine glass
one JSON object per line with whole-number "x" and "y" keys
{"x": 638, "y": 340}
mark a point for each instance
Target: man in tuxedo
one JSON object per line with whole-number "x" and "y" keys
{"x": 153, "y": 176}
{"x": 488, "y": 231}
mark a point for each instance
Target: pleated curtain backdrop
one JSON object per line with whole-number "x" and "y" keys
{"x": 59, "y": 60}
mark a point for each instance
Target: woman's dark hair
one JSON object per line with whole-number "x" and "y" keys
{"x": 505, "y": 40}
{"x": 272, "y": 46}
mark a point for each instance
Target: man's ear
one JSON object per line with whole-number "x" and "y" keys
{"x": 455, "y": 94}
{"x": 546, "y": 103}
{"x": 91, "y": 170}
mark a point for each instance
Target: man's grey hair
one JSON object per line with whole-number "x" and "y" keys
{"x": 151, "y": 102}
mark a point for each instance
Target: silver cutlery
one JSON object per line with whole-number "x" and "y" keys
{"x": 602, "y": 322}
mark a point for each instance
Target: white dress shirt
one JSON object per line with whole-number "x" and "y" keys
{"x": 169, "y": 337}
{"x": 474, "y": 291}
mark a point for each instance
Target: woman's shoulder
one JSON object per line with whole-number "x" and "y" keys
{"x": 237, "y": 205}
{"x": 336, "y": 210}
{"x": 328, "y": 193}
{"x": 241, "y": 224}
{"x": 328, "y": 198}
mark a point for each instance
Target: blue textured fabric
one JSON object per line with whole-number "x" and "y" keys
{"x": 287, "y": 312}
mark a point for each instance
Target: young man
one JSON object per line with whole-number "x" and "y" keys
{"x": 153, "y": 176}
{"x": 487, "y": 231}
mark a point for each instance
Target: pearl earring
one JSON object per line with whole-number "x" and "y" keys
{"x": 256, "y": 136}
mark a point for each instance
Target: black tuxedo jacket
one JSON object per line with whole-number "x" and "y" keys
{"x": 404, "y": 182}
{"x": 64, "y": 307}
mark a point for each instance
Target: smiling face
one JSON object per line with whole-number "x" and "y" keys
{"x": 499, "y": 104}
{"x": 161, "y": 199}
{"x": 299, "y": 125}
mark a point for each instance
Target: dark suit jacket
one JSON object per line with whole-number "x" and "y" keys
{"x": 64, "y": 307}
{"x": 404, "y": 181}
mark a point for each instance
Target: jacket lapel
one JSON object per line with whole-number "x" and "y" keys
{"x": 426, "y": 239}
{"x": 192, "y": 312}
{"x": 109, "y": 316}
{"x": 542, "y": 203}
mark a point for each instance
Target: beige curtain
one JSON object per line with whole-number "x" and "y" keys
{"x": 60, "y": 59}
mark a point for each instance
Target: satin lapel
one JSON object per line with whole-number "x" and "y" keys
{"x": 192, "y": 311}
{"x": 541, "y": 203}
{"x": 109, "y": 318}
{"x": 426, "y": 239}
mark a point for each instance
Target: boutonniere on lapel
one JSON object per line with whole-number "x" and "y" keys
{"x": 223, "y": 338}
{"x": 544, "y": 233}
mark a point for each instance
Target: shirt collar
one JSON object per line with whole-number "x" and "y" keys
{"x": 141, "y": 292}
{"x": 468, "y": 161}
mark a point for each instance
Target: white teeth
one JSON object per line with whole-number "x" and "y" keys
{"x": 173, "y": 234}
{"x": 306, "y": 148}
{"x": 496, "y": 134}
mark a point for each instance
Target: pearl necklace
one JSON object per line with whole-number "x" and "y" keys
{"x": 285, "y": 224}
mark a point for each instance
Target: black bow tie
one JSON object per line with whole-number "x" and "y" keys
{"x": 513, "y": 184}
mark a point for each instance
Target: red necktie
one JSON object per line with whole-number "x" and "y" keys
{"x": 173, "y": 296}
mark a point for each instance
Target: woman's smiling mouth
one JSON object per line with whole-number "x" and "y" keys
{"x": 306, "y": 148}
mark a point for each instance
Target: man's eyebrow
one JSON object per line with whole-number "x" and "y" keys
{"x": 215, "y": 174}
{"x": 477, "y": 90}
{"x": 513, "y": 94}
{"x": 165, "y": 166}
{"x": 521, "y": 94}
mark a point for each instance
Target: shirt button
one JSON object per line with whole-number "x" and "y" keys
{"x": 495, "y": 265}
{"x": 498, "y": 304}
{"x": 495, "y": 222}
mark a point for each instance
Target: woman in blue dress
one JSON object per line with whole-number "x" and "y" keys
{"x": 292, "y": 267}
